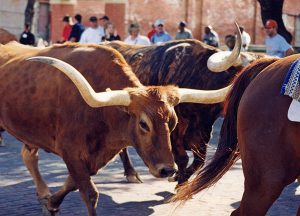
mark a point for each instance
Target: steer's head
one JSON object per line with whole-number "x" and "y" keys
{"x": 152, "y": 120}
{"x": 151, "y": 109}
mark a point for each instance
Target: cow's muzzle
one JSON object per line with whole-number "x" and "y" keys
{"x": 166, "y": 172}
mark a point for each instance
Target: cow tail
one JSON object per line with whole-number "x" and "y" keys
{"x": 227, "y": 152}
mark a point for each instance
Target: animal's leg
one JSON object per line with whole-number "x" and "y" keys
{"x": 181, "y": 159}
{"x": 30, "y": 159}
{"x": 131, "y": 174}
{"x": 81, "y": 176}
{"x": 236, "y": 212}
{"x": 1, "y": 138}
{"x": 178, "y": 148}
{"x": 259, "y": 196}
{"x": 199, "y": 158}
{"x": 56, "y": 199}
{"x": 298, "y": 212}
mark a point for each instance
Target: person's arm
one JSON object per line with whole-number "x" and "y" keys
{"x": 290, "y": 51}
{"x": 83, "y": 37}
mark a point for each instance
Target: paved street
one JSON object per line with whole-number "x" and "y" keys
{"x": 17, "y": 191}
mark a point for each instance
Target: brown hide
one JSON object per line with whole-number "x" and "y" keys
{"x": 256, "y": 128}
{"x": 6, "y": 36}
{"x": 43, "y": 108}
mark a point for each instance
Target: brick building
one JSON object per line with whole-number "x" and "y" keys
{"x": 197, "y": 13}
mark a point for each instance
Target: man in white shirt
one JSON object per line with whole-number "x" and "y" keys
{"x": 93, "y": 34}
{"x": 246, "y": 39}
{"x": 135, "y": 38}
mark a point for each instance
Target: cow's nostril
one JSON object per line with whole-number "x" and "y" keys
{"x": 167, "y": 172}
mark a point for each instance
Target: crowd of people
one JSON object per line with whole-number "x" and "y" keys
{"x": 102, "y": 29}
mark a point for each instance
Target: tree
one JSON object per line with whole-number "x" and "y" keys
{"x": 29, "y": 12}
{"x": 272, "y": 9}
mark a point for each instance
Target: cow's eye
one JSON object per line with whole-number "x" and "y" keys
{"x": 144, "y": 125}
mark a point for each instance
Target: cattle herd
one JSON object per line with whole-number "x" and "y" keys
{"x": 87, "y": 103}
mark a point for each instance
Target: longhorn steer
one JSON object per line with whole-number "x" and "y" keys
{"x": 42, "y": 108}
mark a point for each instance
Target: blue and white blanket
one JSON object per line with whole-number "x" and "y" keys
{"x": 291, "y": 85}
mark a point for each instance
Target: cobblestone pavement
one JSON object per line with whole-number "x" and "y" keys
{"x": 118, "y": 198}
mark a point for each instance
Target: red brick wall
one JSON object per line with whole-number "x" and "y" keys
{"x": 89, "y": 8}
{"x": 116, "y": 14}
{"x": 57, "y": 13}
{"x": 147, "y": 12}
{"x": 198, "y": 13}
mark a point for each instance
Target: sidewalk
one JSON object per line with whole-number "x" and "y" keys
{"x": 118, "y": 198}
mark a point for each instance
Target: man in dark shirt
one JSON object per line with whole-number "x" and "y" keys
{"x": 27, "y": 37}
{"x": 77, "y": 29}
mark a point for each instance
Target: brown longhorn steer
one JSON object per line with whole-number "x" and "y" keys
{"x": 257, "y": 130}
{"x": 42, "y": 107}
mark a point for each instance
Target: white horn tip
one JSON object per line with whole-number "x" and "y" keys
{"x": 215, "y": 61}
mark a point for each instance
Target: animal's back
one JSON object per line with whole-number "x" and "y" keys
{"x": 37, "y": 101}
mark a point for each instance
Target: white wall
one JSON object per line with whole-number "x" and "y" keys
{"x": 12, "y": 15}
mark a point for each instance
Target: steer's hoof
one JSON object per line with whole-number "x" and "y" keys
{"x": 52, "y": 212}
{"x": 173, "y": 178}
{"x": 2, "y": 143}
{"x": 44, "y": 200}
{"x": 135, "y": 178}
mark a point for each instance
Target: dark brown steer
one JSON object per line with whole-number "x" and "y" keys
{"x": 256, "y": 129}
{"x": 43, "y": 108}
{"x": 187, "y": 64}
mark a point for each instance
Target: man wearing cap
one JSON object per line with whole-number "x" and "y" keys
{"x": 161, "y": 35}
{"x": 183, "y": 32}
{"x": 77, "y": 29}
{"x": 276, "y": 45}
{"x": 92, "y": 34}
{"x": 103, "y": 20}
{"x": 210, "y": 36}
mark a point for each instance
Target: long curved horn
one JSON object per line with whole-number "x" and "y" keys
{"x": 203, "y": 96}
{"x": 101, "y": 99}
{"x": 223, "y": 60}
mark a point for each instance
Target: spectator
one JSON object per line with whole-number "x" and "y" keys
{"x": 103, "y": 21}
{"x": 27, "y": 37}
{"x": 111, "y": 33}
{"x": 246, "y": 39}
{"x": 276, "y": 45}
{"x": 66, "y": 29}
{"x": 93, "y": 33}
{"x": 183, "y": 32}
{"x": 77, "y": 29}
{"x": 134, "y": 36}
{"x": 230, "y": 41}
{"x": 151, "y": 32}
{"x": 210, "y": 36}
{"x": 161, "y": 35}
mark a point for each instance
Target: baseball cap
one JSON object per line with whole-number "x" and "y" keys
{"x": 159, "y": 22}
{"x": 271, "y": 24}
{"x": 182, "y": 23}
{"x": 104, "y": 18}
{"x": 93, "y": 19}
